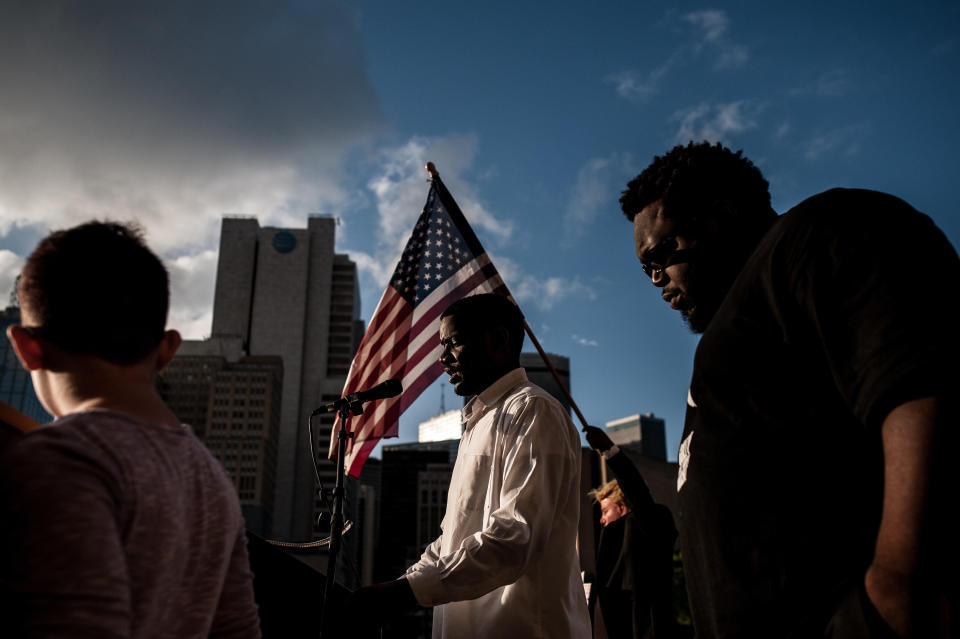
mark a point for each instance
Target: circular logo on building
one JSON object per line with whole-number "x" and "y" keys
{"x": 284, "y": 241}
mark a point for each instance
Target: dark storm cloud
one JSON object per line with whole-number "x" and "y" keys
{"x": 264, "y": 75}
{"x": 177, "y": 110}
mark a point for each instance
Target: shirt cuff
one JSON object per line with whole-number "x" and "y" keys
{"x": 610, "y": 452}
{"x": 426, "y": 586}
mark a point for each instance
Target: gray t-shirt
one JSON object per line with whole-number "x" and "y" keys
{"x": 114, "y": 527}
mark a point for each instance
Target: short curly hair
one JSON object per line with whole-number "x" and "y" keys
{"x": 96, "y": 289}
{"x": 690, "y": 178}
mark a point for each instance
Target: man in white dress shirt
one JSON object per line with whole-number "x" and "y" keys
{"x": 505, "y": 564}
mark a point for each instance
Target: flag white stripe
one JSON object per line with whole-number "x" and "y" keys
{"x": 365, "y": 353}
{"x": 421, "y": 366}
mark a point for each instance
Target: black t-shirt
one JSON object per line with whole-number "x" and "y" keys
{"x": 846, "y": 309}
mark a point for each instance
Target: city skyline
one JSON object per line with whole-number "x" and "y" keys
{"x": 173, "y": 116}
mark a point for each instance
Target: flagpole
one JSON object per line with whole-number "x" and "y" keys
{"x": 553, "y": 371}
{"x": 435, "y": 177}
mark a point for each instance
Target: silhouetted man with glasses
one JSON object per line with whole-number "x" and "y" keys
{"x": 814, "y": 484}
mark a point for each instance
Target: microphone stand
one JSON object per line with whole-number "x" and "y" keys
{"x": 344, "y": 408}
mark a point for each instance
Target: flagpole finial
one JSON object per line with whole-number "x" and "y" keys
{"x": 432, "y": 170}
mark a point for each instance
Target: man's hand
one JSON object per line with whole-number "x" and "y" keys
{"x": 370, "y": 606}
{"x": 597, "y": 438}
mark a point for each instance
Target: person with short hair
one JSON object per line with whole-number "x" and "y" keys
{"x": 632, "y": 595}
{"x": 815, "y": 492}
{"x": 612, "y": 503}
{"x": 506, "y": 563}
{"x": 117, "y": 521}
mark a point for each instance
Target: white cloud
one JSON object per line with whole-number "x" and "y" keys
{"x": 192, "y": 281}
{"x": 378, "y": 267}
{"x": 641, "y": 88}
{"x": 713, "y": 25}
{"x": 843, "y": 140}
{"x": 542, "y": 292}
{"x": 10, "y": 266}
{"x": 834, "y": 83}
{"x": 597, "y": 187}
{"x": 168, "y": 114}
{"x": 400, "y": 191}
{"x": 715, "y": 122}
{"x": 710, "y": 37}
{"x": 583, "y": 341}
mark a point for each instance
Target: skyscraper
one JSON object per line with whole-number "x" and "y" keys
{"x": 643, "y": 433}
{"x": 414, "y": 479}
{"x": 440, "y": 428}
{"x": 232, "y": 403}
{"x": 539, "y": 374}
{"x": 283, "y": 292}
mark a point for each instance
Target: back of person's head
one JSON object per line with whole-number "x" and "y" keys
{"x": 96, "y": 289}
{"x": 489, "y": 311}
{"x": 610, "y": 490}
{"x": 702, "y": 179}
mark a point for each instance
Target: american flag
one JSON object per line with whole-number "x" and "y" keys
{"x": 442, "y": 262}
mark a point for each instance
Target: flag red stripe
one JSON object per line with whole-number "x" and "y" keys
{"x": 395, "y": 357}
{"x": 360, "y": 456}
{"x": 389, "y": 299}
{"x": 367, "y": 433}
{"x": 395, "y": 363}
{"x": 420, "y": 384}
{"x": 375, "y": 361}
{"x": 399, "y": 329}
{"x": 366, "y": 424}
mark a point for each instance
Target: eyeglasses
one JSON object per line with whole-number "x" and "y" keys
{"x": 663, "y": 255}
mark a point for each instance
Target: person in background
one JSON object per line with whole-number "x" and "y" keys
{"x": 117, "y": 521}
{"x": 633, "y": 592}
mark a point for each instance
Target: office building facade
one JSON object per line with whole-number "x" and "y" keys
{"x": 440, "y": 428}
{"x": 285, "y": 293}
{"x": 232, "y": 403}
{"x": 407, "y": 470}
{"x": 644, "y": 434}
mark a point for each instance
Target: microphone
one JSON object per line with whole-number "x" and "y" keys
{"x": 389, "y": 388}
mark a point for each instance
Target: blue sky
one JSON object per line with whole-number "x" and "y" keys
{"x": 176, "y": 113}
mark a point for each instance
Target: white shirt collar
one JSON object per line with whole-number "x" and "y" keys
{"x": 490, "y": 397}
